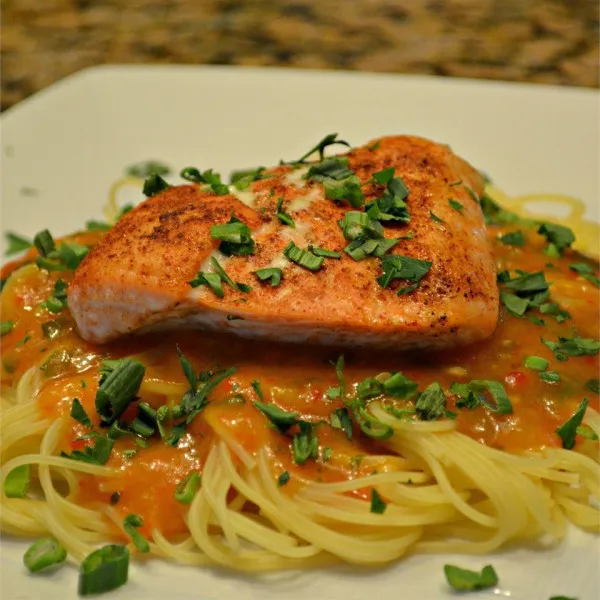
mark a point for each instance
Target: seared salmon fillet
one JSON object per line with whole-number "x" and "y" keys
{"x": 434, "y": 287}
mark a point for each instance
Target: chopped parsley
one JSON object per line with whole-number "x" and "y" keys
{"x": 340, "y": 419}
{"x": 431, "y": 403}
{"x": 283, "y": 478}
{"x": 525, "y": 291}
{"x": 559, "y": 238}
{"x": 390, "y": 206}
{"x": 208, "y": 177}
{"x": 575, "y": 346}
{"x": 305, "y": 444}
{"x": 241, "y": 180}
{"x": 475, "y": 393}
{"x": 154, "y": 184}
{"x": 235, "y": 236}
{"x": 97, "y": 454}
{"x": 282, "y": 419}
{"x": 378, "y": 505}
{"x": 79, "y": 414}
{"x": 328, "y": 140}
{"x": 586, "y": 271}
{"x": 215, "y": 280}
{"x": 513, "y": 238}
{"x": 339, "y": 182}
{"x": 403, "y": 267}
{"x": 593, "y": 385}
{"x": 568, "y": 430}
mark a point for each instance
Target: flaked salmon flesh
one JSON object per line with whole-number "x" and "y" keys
{"x": 138, "y": 277}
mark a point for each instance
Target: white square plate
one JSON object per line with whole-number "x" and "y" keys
{"x": 63, "y": 148}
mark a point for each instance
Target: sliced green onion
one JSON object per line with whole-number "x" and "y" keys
{"x": 550, "y": 376}
{"x": 212, "y": 280}
{"x": 302, "y": 257}
{"x": 119, "y": 389}
{"x": 464, "y": 580}
{"x": 104, "y": 570}
{"x": 324, "y": 253}
{"x": 257, "y": 388}
{"x": 44, "y": 553}
{"x": 130, "y": 526}
{"x": 272, "y": 274}
{"x": 235, "y": 236}
{"x": 536, "y": 363}
{"x": 44, "y": 242}
{"x": 187, "y": 488}
{"x": 16, "y": 484}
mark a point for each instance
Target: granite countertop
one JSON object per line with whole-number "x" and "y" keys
{"x": 545, "y": 41}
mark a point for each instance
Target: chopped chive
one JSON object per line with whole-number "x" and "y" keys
{"x": 235, "y": 236}
{"x": 324, "y": 253}
{"x": 284, "y": 217}
{"x": 536, "y": 363}
{"x": 131, "y": 523}
{"x": 17, "y": 482}
{"x": 435, "y": 218}
{"x": 104, "y": 570}
{"x": 44, "y": 553}
{"x": 302, "y": 257}
{"x": 568, "y": 430}
{"x": 550, "y": 376}
{"x": 456, "y": 205}
{"x": 272, "y": 274}
{"x": 79, "y": 414}
{"x": 257, "y": 388}
{"x": 282, "y": 419}
{"x": 187, "y": 488}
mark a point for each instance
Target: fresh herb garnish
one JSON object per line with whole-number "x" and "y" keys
{"x": 559, "y": 238}
{"x": 215, "y": 280}
{"x": 550, "y": 376}
{"x": 464, "y": 580}
{"x": 575, "y": 346}
{"x": 284, "y": 217}
{"x": 403, "y": 267}
{"x": 513, "y": 238}
{"x": 6, "y": 327}
{"x": 235, "y": 236}
{"x": 283, "y": 478}
{"x": 17, "y": 482}
{"x": 146, "y": 168}
{"x": 131, "y": 523}
{"x": 525, "y": 291}
{"x": 365, "y": 235}
{"x": 536, "y": 363}
{"x": 104, "y": 570}
{"x": 473, "y": 394}
{"x": 282, "y": 419}
{"x": 390, "y": 206}
{"x": 154, "y": 184}
{"x": 431, "y": 403}
{"x": 339, "y": 182}
{"x": 208, "y": 177}
{"x": 456, "y": 205}
{"x": 593, "y": 385}
{"x": 241, "y": 180}
{"x": 272, "y": 274}
{"x": 378, "y": 505}
{"x": 324, "y": 252}
{"x": 340, "y": 419}
{"x": 187, "y": 488}
{"x": 98, "y": 454}
{"x": 586, "y": 271}
{"x": 58, "y": 300}
{"x": 328, "y": 140}
{"x": 303, "y": 258}
{"x": 436, "y": 219}
{"x": 305, "y": 443}
{"x": 16, "y": 243}
{"x": 43, "y": 553}
{"x": 118, "y": 387}
{"x": 79, "y": 414}
{"x": 568, "y": 430}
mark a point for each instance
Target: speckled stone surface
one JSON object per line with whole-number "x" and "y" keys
{"x": 545, "y": 41}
